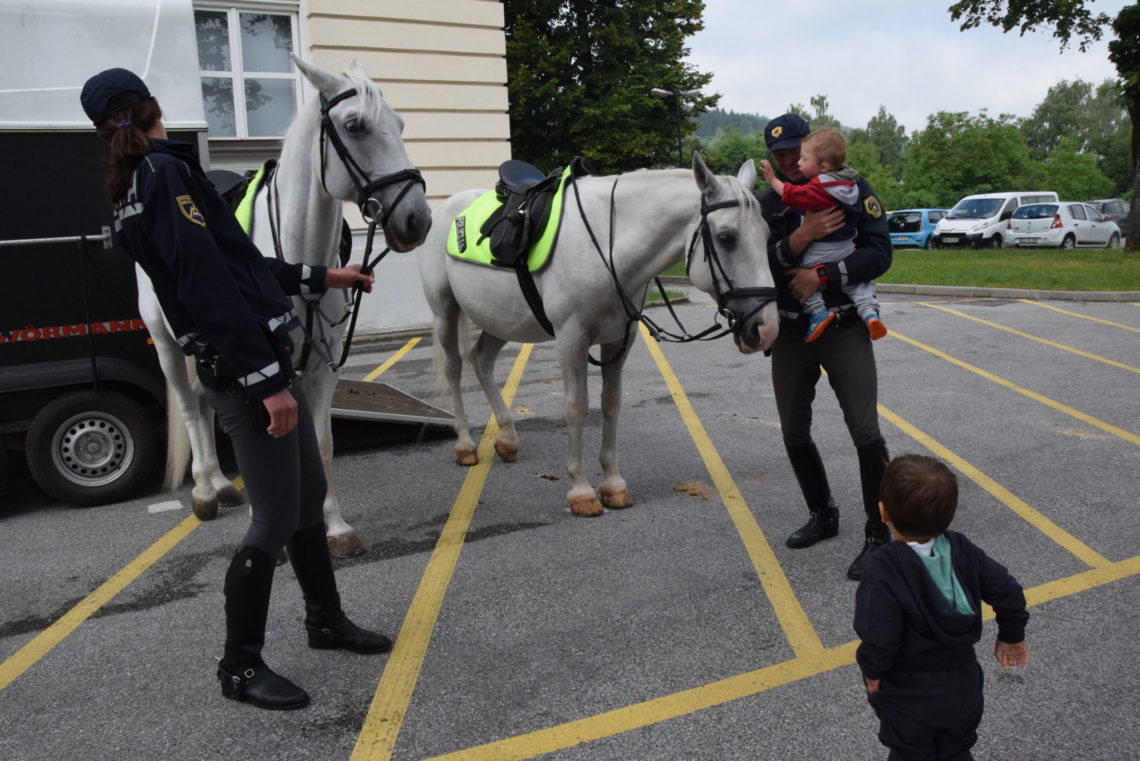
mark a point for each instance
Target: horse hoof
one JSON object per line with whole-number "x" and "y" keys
{"x": 508, "y": 452}
{"x": 231, "y": 496}
{"x": 616, "y": 498}
{"x": 346, "y": 546}
{"x": 467, "y": 456}
{"x": 282, "y": 557}
{"x": 205, "y": 511}
{"x": 586, "y": 507}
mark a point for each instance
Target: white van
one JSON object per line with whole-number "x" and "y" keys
{"x": 979, "y": 221}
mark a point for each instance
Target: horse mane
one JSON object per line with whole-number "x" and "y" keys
{"x": 368, "y": 92}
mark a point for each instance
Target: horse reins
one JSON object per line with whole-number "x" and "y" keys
{"x": 372, "y": 211}
{"x": 704, "y": 232}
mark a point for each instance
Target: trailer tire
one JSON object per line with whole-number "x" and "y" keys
{"x": 89, "y": 448}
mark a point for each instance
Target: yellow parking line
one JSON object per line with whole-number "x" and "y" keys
{"x": 798, "y": 629}
{"x": 615, "y": 722}
{"x": 1031, "y": 337}
{"x": 393, "y": 359}
{"x": 389, "y": 705}
{"x": 1078, "y": 314}
{"x": 1106, "y": 427}
{"x": 1018, "y": 505}
{"x": 43, "y": 642}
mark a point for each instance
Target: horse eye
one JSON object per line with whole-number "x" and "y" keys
{"x": 727, "y": 237}
{"x": 355, "y": 127}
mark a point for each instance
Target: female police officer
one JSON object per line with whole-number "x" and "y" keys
{"x": 844, "y": 350}
{"x": 228, "y": 307}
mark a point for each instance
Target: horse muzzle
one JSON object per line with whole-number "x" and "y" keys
{"x": 408, "y": 224}
{"x": 755, "y": 322}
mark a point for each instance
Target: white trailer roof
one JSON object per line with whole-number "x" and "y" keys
{"x": 51, "y": 47}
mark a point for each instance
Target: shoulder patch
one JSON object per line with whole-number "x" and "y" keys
{"x": 873, "y": 207}
{"x": 189, "y": 210}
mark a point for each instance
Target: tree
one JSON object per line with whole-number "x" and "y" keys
{"x": 1124, "y": 52}
{"x": 887, "y": 137}
{"x": 957, "y": 155}
{"x": 1063, "y": 113}
{"x": 729, "y": 149}
{"x": 579, "y": 75}
{"x": 1071, "y": 19}
{"x": 1073, "y": 175}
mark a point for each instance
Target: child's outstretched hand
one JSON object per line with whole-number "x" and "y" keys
{"x": 770, "y": 176}
{"x": 1012, "y": 655}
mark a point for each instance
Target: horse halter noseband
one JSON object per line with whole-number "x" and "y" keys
{"x": 370, "y": 207}
{"x": 724, "y": 294}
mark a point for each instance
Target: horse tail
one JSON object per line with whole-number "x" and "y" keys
{"x": 177, "y": 438}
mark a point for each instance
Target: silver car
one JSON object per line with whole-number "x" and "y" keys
{"x": 1064, "y": 224}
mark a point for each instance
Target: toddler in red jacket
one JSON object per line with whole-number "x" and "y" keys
{"x": 832, "y": 183}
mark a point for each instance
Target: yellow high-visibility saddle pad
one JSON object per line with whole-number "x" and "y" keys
{"x": 466, "y": 242}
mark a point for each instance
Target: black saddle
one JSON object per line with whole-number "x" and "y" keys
{"x": 525, "y": 194}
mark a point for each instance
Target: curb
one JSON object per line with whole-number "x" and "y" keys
{"x": 971, "y": 291}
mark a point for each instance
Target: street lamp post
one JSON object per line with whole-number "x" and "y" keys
{"x": 676, "y": 96}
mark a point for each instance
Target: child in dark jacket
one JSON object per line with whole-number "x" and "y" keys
{"x": 918, "y": 614}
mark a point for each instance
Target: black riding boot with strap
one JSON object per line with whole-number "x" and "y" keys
{"x": 242, "y": 672}
{"x": 812, "y": 477}
{"x": 328, "y": 627}
{"x": 873, "y": 460}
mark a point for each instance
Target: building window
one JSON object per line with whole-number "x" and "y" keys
{"x": 249, "y": 85}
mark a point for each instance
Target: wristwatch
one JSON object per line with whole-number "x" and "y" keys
{"x": 821, "y": 271}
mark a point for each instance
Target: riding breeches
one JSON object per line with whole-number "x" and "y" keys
{"x": 845, "y": 352}
{"x": 284, "y": 477}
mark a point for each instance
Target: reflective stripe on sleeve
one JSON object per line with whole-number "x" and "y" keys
{"x": 257, "y": 376}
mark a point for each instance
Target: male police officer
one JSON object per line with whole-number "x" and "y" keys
{"x": 844, "y": 350}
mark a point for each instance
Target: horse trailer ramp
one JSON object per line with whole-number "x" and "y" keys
{"x": 362, "y": 400}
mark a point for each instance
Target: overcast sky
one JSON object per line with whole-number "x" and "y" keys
{"x": 906, "y": 55}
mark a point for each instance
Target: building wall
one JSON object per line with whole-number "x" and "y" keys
{"x": 442, "y": 65}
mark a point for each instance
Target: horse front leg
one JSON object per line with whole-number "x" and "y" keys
{"x": 186, "y": 404}
{"x": 613, "y": 489}
{"x": 320, "y": 384}
{"x": 483, "y": 358}
{"x": 572, "y": 351}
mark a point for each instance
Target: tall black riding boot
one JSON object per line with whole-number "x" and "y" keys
{"x": 325, "y": 621}
{"x": 812, "y": 477}
{"x": 873, "y": 460}
{"x": 242, "y": 672}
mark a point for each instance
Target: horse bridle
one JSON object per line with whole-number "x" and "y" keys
{"x": 766, "y": 294}
{"x": 370, "y": 207}
{"x": 372, "y": 211}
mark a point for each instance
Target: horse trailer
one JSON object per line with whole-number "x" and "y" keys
{"x": 81, "y": 391}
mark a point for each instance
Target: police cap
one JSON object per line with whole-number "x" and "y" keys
{"x": 785, "y": 131}
{"x": 111, "y": 91}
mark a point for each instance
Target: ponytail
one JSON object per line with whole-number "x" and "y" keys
{"x": 126, "y": 133}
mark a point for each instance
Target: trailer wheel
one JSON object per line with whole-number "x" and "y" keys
{"x": 91, "y": 447}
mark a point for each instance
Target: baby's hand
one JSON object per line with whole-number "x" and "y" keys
{"x": 766, "y": 170}
{"x": 1011, "y": 655}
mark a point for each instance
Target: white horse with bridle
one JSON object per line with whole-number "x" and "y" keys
{"x": 646, "y": 220}
{"x": 345, "y": 145}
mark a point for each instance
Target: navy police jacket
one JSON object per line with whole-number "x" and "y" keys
{"x": 870, "y": 259}
{"x": 220, "y": 296}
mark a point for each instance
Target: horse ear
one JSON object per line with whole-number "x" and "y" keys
{"x": 706, "y": 180}
{"x": 359, "y": 69}
{"x": 320, "y": 79}
{"x": 747, "y": 174}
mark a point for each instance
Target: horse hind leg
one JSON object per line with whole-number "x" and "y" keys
{"x": 483, "y": 355}
{"x": 448, "y": 364}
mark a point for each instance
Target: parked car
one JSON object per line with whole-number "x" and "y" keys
{"x": 1117, "y": 210}
{"x": 1062, "y": 225}
{"x": 979, "y": 221}
{"x": 913, "y": 227}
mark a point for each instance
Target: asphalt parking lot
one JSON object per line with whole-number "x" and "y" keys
{"x": 681, "y": 628}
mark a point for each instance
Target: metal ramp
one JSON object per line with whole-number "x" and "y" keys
{"x": 362, "y": 400}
